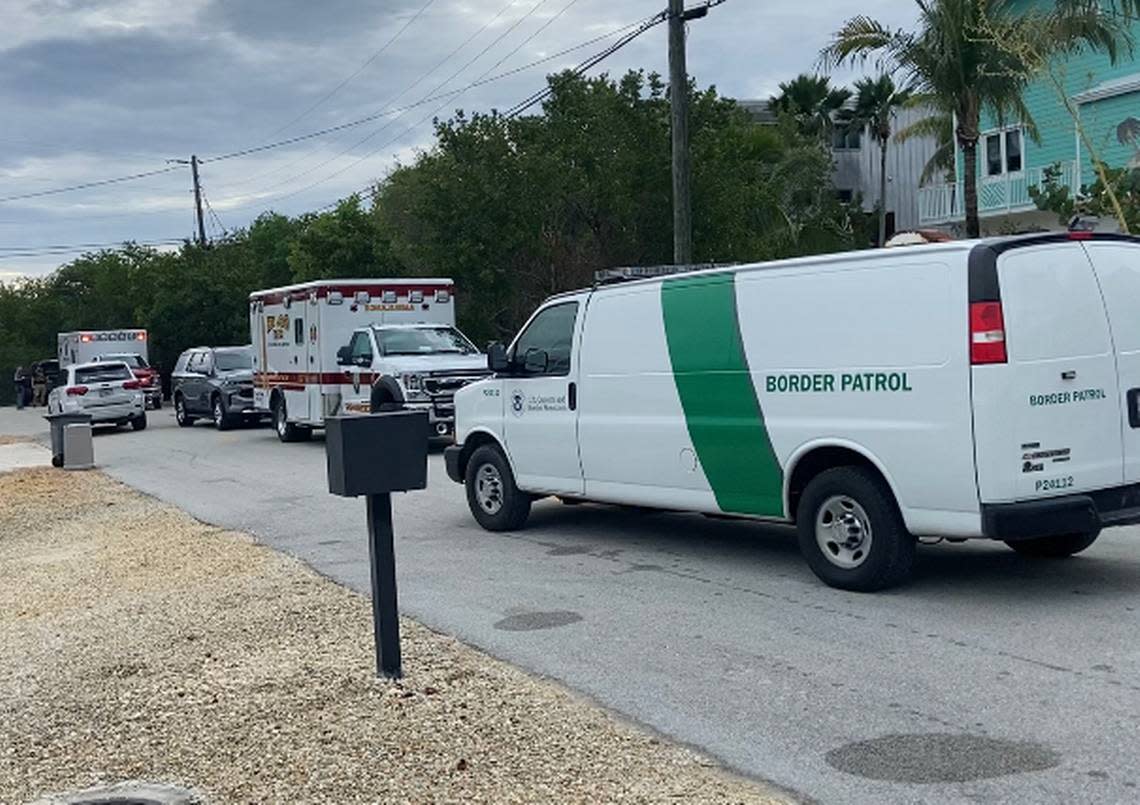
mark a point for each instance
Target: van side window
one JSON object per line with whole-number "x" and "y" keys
{"x": 361, "y": 349}
{"x": 552, "y": 332}
{"x": 298, "y": 330}
{"x": 194, "y": 363}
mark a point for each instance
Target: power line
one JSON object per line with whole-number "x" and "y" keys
{"x": 358, "y": 70}
{"x": 13, "y": 252}
{"x": 84, "y": 186}
{"x": 446, "y": 95}
{"x": 584, "y": 66}
{"x": 400, "y": 112}
{"x": 435, "y": 111}
{"x": 375, "y": 115}
{"x": 642, "y": 26}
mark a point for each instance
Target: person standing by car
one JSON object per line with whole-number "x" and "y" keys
{"x": 39, "y": 386}
{"x": 20, "y": 379}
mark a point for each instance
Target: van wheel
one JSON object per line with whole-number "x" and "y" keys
{"x": 494, "y": 500}
{"x": 851, "y": 532}
{"x": 1055, "y": 547}
{"x": 183, "y": 419}
{"x": 286, "y": 430}
{"x": 139, "y": 422}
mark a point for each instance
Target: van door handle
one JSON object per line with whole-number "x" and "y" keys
{"x": 1133, "y": 398}
{"x": 572, "y": 396}
{"x": 1069, "y": 374}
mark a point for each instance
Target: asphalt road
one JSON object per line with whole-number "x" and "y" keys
{"x": 990, "y": 678}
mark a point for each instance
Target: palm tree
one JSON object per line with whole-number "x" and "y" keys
{"x": 877, "y": 101}
{"x": 811, "y": 101}
{"x": 970, "y": 56}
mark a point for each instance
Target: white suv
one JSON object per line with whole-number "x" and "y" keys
{"x": 106, "y": 390}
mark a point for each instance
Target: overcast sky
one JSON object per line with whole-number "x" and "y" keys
{"x": 96, "y": 89}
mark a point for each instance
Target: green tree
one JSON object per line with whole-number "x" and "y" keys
{"x": 955, "y": 65}
{"x": 344, "y": 242}
{"x": 1055, "y": 196}
{"x": 877, "y": 102}
{"x": 811, "y": 102}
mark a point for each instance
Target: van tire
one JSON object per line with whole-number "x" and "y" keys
{"x": 286, "y": 430}
{"x": 488, "y": 476}
{"x": 889, "y": 557}
{"x": 1060, "y": 546}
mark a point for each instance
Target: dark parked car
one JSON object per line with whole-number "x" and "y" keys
{"x": 214, "y": 382}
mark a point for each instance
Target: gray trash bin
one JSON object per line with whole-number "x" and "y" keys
{"x": 58, "y": 423}
{"x": 78, "y": 447}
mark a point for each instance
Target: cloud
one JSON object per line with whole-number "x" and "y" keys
{"x": 97, "y": 88}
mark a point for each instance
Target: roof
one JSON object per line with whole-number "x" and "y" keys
{"x": 373, "y": 282}
{"x": 998, "y": 244}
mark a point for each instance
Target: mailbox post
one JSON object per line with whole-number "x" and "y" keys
{"x": 376, "y": 455}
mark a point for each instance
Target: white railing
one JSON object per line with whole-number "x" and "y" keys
{"x": 943, "y": 203}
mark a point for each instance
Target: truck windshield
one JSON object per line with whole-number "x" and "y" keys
{"x": 424, "y": 341}
{"x": 232, "y": 360}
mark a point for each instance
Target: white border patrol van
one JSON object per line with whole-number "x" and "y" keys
{"x": 319, "y": 350}
{"x": 978, "y": 389}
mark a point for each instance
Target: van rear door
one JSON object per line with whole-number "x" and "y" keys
{"x": 1046, "y": 412}
{"x": 1117, "y": 266}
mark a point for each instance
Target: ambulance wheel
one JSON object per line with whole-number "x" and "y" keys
{"x": 851, "y": 532}
{"x": 222, "y": 420}
{"x": 495, "y": 501}
{"x": 183, "y": 419}
{"x": 286, "y": 430}
{"x": 139, "y": 422}
{"x": 1056, "y": 547}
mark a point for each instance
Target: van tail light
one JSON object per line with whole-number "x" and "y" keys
{"x": 987, "y": 333}
{"x": 76, "y": 391}
{"x": 131, "y": 385}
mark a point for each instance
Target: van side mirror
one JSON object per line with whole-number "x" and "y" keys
{"x": 344, "y": 356}
{"x": 497, "y": 360}
{"x": 536, "y": 362}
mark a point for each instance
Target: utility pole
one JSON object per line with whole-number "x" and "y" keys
{"x": 198, "y": 201}
{"x": 193, "y": 163}
{"x": 679, "y": 103}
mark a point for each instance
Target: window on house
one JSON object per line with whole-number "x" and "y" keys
{"x": 1003, "y": 152}
{"x": 1012, "y": 151}
{"x": 845, "y": 196}
{"x": 993, "y": 155}
{"x": 843, "y": 139}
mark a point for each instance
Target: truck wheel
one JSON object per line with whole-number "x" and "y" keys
{"x": 286, "y": 430}
{"x": 222, "y": 420}
{"x": 851, "y": 532}
{"x": 139, "y": 422}
{"x": 183, "y": 419}
{"x": 494, "y": 500}
{"x": 1055, "y": 547}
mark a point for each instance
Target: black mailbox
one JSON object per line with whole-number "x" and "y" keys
{"x": 377, "y": 453}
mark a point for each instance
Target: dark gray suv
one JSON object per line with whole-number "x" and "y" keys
{"x": 214, "y": 382}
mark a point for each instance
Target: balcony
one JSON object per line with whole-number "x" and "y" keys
{"x": 997, "y": 195}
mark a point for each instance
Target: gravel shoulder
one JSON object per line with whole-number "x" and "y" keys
{"x": 142, "y": 644}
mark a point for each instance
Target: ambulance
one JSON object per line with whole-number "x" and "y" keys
{"x": 967, "y": 390}
{"x": 328, "y": 348}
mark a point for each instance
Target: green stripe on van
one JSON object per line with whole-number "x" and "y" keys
{"x": 722, "y": 411}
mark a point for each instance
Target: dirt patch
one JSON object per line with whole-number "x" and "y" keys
{"x": 140, "y": 644}
{"x": 14, "y": 439}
